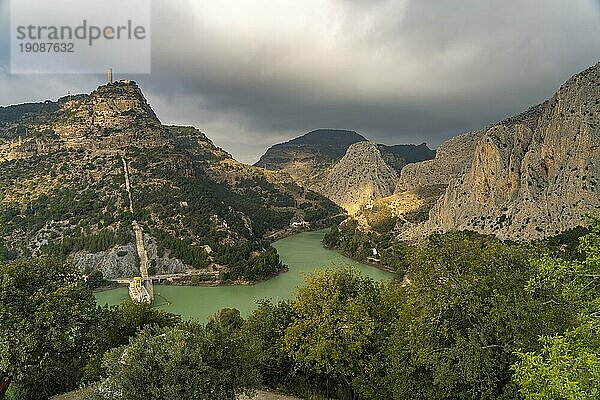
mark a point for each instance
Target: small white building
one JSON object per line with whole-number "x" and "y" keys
{"x": 300, "y": 224}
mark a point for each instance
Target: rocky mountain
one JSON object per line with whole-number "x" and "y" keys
{"x": 362, "y": 174}
{"x": 530, "y": 176}
{"x": 63, "y": 191}
{"x": 308, "y": 155}
{"x": 400, "y": 155}
{"x": 450, "y": 160}
{"x": 330, "y": 162}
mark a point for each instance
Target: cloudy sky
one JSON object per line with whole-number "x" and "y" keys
{"x": 250, "y": 73}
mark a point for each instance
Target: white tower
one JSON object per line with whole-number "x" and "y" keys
{"x": 110, "y": 77}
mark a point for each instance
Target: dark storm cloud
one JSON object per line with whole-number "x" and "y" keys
{"x": 253, "y": 72}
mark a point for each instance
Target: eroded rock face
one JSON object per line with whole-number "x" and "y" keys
{"x": 113, "y": 116}
{"x": 118, "y": 262}
{"x": 122, "y": 261}
{"x": 25, "y": 148}
{"x": 360, "y": 175}
{"x": 451, "y": 158}
{"x": 531, "y": 176}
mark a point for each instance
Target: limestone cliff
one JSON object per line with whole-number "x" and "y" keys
{"x": 531, "y": 176}
{"x": 450, "y": 160}
{"x": 362, "y": 174}
{"x": 113, "y": 116}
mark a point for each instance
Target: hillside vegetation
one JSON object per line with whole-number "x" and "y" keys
{"x": 474, "y": 317}
{"x": 62, "y": 191}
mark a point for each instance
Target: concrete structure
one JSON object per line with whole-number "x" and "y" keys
{"x": 138, "y": 291}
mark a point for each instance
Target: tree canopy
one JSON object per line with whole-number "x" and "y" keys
{"x": 48, "y": 317}
{"x": 334, "y": 323}
{"x": 475, "y": 317}
{"x": 190, "y": 361}
{"x": 568, "y": 365}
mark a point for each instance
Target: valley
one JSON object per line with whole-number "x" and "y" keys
{"x": 336, "y": 267}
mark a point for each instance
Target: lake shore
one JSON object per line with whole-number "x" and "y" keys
{"x": 187, "y": 279}
{"x": 303, "y": 253}
{"x": 182, "y": 280}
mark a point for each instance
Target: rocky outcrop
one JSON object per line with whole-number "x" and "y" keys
{"x": 113, "y": 116}
{"x": 118, "y": 262}
{"x": 360, "y": 175}
{"x": 454, "y": 156}
{"x": 309, "y": 155}
{"x": 451, "y": 158}
{"x": 122, "y": 261}
{"x": 531, "y": 176}
{"x": 29, "y": 147}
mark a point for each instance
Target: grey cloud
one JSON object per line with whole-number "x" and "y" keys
{"x": 253, "y": 72}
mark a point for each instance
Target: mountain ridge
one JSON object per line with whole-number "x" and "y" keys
{"x": 313, "y": 160}
{"x": 203, "y": 212}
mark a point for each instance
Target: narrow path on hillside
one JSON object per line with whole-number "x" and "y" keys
{"x": 141, "y": 249}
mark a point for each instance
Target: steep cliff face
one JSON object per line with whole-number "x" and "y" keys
{"x": 360, "y": 175}
{"x": 533, "y": 175}
{"x": 113, "y": 116}
{"x": 451, "y": 158}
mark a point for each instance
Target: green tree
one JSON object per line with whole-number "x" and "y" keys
{"x": 466, "y": 313}
{"x": 227, "y": 319}
{"x": 48, "y": 320}
{"x": 5, "y": 253}
{"x": 266, "y": 327}
{"x": 334, "y": 325}
{"x": 568, "y": 365}
{"x": 116, "y": 325}
{"x": 187, "y": 362}
{"x": 95, "y": 279}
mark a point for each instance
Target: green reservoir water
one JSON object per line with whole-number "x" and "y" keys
{"x": 303, "y": 253}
